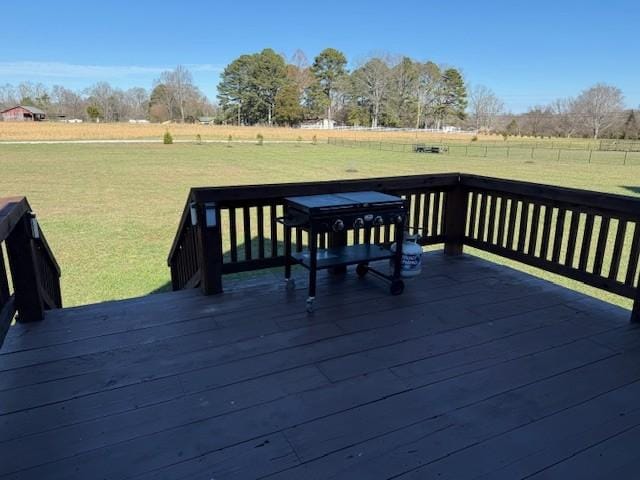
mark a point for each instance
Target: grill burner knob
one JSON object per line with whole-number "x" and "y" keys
{"x": 378, "y": 220}
{"x": 358, "y": 223}
{"x": 397, "y": 219}
{"x": 338, "y": 225}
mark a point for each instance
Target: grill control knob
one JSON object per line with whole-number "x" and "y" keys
{"x": 338, "y": 225}
{"x": 397, "y": 219}
{"x": 378, "y": 220}
{"x": 358, "y": 223}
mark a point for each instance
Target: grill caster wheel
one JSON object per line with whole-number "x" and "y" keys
{"x": 310, "y": 304}
{"x": 362, "y": 269}
{"x": 290, "y": 284}
{"x": 397, "y": 287}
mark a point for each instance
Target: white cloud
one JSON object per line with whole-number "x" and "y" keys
{"x": 30, "y": 69}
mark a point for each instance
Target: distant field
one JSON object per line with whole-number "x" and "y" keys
{"x": 110, "y": 211}
{"x": 126, "y": 131}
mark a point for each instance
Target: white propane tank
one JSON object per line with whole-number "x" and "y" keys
{"x": 411, "y": 263}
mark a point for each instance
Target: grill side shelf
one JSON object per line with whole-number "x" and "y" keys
{"x": 350, "y": 255}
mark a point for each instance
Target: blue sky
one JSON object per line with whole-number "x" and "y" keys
{"x": 527, "y": 52}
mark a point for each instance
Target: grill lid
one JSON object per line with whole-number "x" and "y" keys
{"x": 343, "y": 200}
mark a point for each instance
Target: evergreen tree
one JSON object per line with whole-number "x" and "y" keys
{"x": 630, "y": 130}
{"x": 452, "y": 98}
{"x": 328, "y": 68}
{"x": 288, "y": 109}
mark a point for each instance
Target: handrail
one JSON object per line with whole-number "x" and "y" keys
{"x": 35, "y": 274}
{"x": 588, "y": 236}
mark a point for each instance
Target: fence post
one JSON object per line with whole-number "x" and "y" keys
{"x": 209, "y": 238}
{"x": 485, "y": 151}
{"x": 624, "y": 162}
{"x": 466, "y": 150}
{"x": 590, "y": 153}
{"x": 559, "y": 155}
{"x": 25, "y": 275}
{"x": 455, "y": 220}
{"x": 532, "y": 149}
{"x": 508, "y": 152}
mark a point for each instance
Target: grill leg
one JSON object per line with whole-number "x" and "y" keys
{"x": 287, "y": 253}
{"x": 313, "y": 263}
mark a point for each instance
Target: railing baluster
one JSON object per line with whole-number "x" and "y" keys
{"x": 524, "y": 224}
{"x": 634, "y": 253}
{"x": 601, "y": 245}
{"x": 260, "y": 221}
{"x": 533, "y": 234}
{"x": 513, "y": 213}
{"x": 586, "y": 242}
{"x": 274, "y": 230}
{"x": 473, "y": 212}
{"x": 502, "y": 221}
{"x": 492, "y": 218}
{"x": 558, "y": 235}
{"x": 246, "y": 230}
{"x": 425, "y": 214}
{"x": 546, "y": 231}
{"x": 483, "y": 216}
{"x": 614, "y": 266}
{"x": 573, "y": 238}
{"x": 233, "y": 235}
{"x": 436, "y": 214}
{"x": 417, "y": 210}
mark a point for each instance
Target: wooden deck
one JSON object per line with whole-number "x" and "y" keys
{"x": 477, "y": 371}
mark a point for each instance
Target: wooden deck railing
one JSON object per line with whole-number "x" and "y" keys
{"x": 35, "y": 274}
{"x": 586, "y": 236}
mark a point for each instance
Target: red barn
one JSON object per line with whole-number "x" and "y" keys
{"x": 23, "y": 113}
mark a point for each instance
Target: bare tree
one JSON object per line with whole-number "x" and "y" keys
{"x": 372, "y": 82}
{"x": 429, "y": 76}
{"x": 565, "y": 120}
{"x": 179, "y": 83}
{"x": 599, "y": 106}
{"x": 485, "y": 107}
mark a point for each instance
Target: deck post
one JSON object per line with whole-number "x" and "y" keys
{"x": 209, "y": 236}
{"x": 24, "y": 272}
{"x": 635, "y": 313}
{"x": 455, "y": 219}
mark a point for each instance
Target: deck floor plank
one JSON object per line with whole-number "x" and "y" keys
{"x": 477, "y": 370}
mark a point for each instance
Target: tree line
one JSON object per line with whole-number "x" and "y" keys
{"x": 172, "y": 97}
{"x": 379, "y": 91}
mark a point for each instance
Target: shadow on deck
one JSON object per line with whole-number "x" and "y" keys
{"x": 477, "y": 371}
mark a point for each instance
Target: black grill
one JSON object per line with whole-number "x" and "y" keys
{"x": 336, "y": 214}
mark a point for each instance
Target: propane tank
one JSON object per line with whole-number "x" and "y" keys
{"x": 411, "y": 263}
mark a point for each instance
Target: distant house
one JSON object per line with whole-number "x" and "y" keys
{"x": 23, "y": 113}
{"x": 323, "y": 123}
{"x": 206, "y": 120}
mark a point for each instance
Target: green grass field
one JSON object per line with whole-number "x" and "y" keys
{"x": 110, "y": 211}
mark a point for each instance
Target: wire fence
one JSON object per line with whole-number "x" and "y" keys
{"x": 496, "y": 152}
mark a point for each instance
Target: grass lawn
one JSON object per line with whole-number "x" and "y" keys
{"x": 110, "y": 211}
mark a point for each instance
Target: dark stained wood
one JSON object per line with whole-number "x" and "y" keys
{"x": 482, "y": 214}
{"x": 476, "y": 367}
{"x": 260, "y": 222}
{"x": 601, "y": 245}
{"x": 511, "y": 230}
{"x": 634, "y": 256}
{"x": 502, "y": 221}
{"x": 491, "y": 222}
{"x": 614, "y": 266}
{"x": 435, "y": 219}
{"x": 274, "y": 230}
{"x": 246, "y": 229}
{"x": 473, "y": 215}
{"x": 455, "y": 219}
{"x": 558, "y": 235}
{"x": 209, "y": 240}
{"x": 573, "y": 236}
{"x": 533, "y": 234}
{"x": 547, "y": 218}
{"x": 233, "y": 236}
{"x": 24, "y": 273}
{"x": 7, "y": 312}
{"x": 524, "y": 225}
{"x": 585, "y": 249}
{"x": 4, "y": 280}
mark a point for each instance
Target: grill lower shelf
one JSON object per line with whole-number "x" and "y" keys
{"x": 351, "y": 255}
